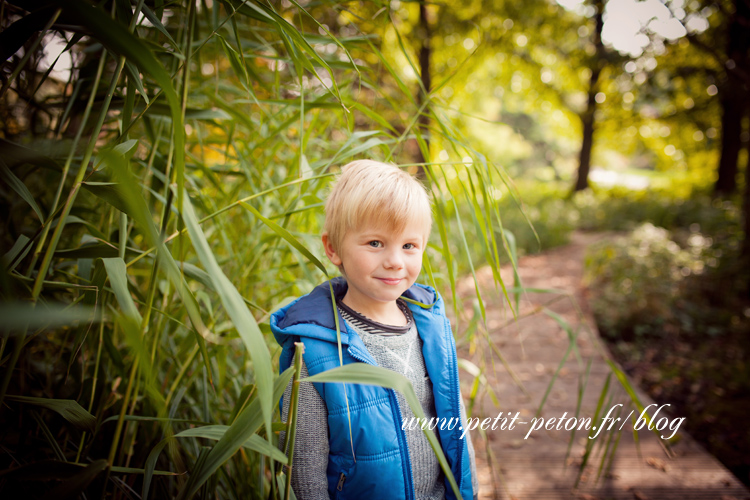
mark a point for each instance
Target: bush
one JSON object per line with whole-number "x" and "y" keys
{"x": 620, "y": 209}
{"x": 635, "y": 280}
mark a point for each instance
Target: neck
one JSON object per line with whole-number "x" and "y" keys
{"x": 387, "y": 313}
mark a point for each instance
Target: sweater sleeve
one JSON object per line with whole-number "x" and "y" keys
{"x": 309, "y": 479}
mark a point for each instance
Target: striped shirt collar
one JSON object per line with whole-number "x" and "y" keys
{"x": 362, "y": 322}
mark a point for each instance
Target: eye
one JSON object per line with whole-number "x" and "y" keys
{"x": 409, "y": 246}
{"x": 375, "y": 244}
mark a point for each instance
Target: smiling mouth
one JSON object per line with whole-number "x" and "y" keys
{"x": 390, "y": 281}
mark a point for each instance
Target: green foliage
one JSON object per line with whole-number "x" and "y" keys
{"x": 536, "y": 214}
{"x": 634, "y": 280}
{"x": 621, "y": 209}
{"x": 541, "y": 216}
{"x": 683, "y": 277}
{"x": 545, "y": 220}
{"x": 178, "y": 201}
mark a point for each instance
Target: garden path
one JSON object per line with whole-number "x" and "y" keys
{"x": 535, "y": 468}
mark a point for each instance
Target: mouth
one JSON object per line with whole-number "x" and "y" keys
{"x": 390, "y": 281}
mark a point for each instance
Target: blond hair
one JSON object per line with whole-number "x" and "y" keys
{"x": 381, "y": 194}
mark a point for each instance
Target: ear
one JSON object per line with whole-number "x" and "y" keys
{"x": 331, "y": 253}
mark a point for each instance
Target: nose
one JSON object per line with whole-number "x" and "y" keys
{"x": 394, "y": 259}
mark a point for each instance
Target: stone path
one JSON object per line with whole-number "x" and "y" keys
{"x": 516, "y": 464}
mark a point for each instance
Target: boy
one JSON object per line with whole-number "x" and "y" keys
{"x": 378, "y": 221}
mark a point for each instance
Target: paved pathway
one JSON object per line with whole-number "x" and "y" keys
{"x": 534, "y": 467}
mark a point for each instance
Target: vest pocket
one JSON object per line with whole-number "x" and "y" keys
{"x": 339, "y": 472}
{"x": 340, "y": 488}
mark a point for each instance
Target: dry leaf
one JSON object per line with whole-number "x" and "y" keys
{"x": 657, "y": 463}
{"x": 639, "y": 496}
{"x": 515, "y": 444}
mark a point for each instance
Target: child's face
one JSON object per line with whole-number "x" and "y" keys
{"x": 379, "y": 265}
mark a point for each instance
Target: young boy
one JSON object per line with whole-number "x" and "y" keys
{"x": 378, "y": 221}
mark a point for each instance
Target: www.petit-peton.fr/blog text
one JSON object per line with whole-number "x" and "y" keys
{"x": 609, "y": 422}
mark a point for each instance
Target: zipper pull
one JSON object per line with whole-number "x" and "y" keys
{"x": 341, "y": 482}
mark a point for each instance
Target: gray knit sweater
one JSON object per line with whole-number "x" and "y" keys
{"x": 402, "y": 353}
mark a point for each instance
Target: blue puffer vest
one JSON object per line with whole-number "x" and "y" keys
{"x": 382, "y": 468}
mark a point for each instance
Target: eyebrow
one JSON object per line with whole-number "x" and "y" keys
{"x": 371, "y": 235}
{"x": 385, "y": 234}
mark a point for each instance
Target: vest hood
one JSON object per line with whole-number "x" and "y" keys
{"x": 305, "y": 316}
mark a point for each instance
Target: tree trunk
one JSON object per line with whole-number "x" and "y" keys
{"x": 746, "y": 214}
{"x": 588, "y": 116}
{"x": 731, "y": 142}
{"x": 424, "y": 69}
{"x": 584, "y": 158}
{"x": 744, "y": 259}
{"x": 734, "y": 98}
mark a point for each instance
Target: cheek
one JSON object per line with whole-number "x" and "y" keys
{"x": 363, "y": 261}
{"x": 415, "y": 264}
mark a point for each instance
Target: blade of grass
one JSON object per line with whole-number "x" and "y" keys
{"x": 69, "y": 409}
{"x": 20, "y": 188}
{"x": 254, "y": 442}
{"x": 291, "y": 430}
{"x": 235, "y": 306}
{"x": 246, "y": 424}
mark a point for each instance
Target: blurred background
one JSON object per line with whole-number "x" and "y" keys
{"x": 528, "y": 120}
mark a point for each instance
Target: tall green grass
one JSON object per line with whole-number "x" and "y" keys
{"x": 167, "y": 202}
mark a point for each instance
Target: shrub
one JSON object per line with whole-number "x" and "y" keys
{"x": 620, "y": 209}
{"x": 635, "y": 279}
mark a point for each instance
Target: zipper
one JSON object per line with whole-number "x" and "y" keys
{"x": 457, "y": 388}
{"x": 402, "y": 435}
{"x": 400, "y": 432}
{"x": 342, "y": 478}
